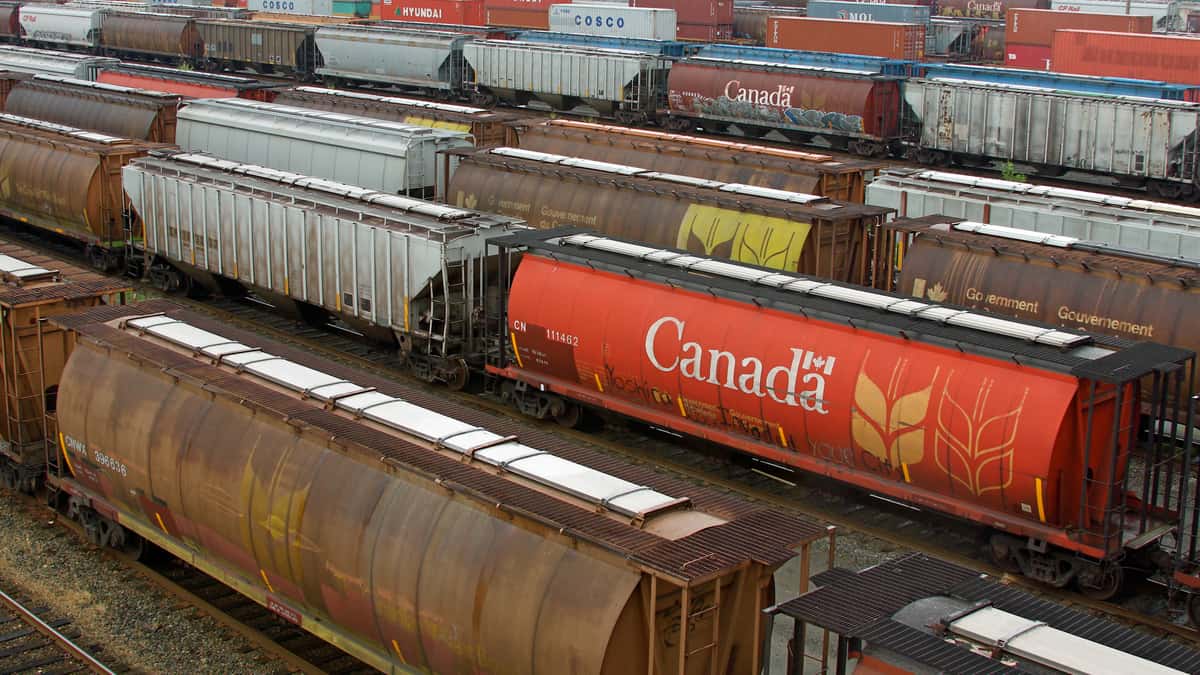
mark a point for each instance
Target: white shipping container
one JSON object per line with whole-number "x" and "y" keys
{"x": 300, "y": 7}
{"x": 611, "y": 20}
{"x": 1158, "y": 10}
{"x": 61, "y": 25}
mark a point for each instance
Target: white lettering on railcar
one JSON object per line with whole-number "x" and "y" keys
{"x": 779, "y": 96}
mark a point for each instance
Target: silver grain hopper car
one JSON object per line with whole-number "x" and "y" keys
{"x": 62, "y": 64}
{"x": 1168, "y": 230}
{"x": 429, "y": 61}
{"x": 369, "y": 153}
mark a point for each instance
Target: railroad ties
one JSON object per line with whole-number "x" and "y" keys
{"x": 35, "y": 639}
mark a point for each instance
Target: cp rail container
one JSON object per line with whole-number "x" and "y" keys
{"x": 1173, "y": 58}
{"x": 373, "y": 154}
{"x": 757, "y": 225}
{"x": 111, "y": 109}
{"x": 1025, "y": 428}
{"x": 845, "y": 108}
{"x": 871, "y": 38}
{"x": 429, "y": 60}
{"x": 488, "y": 128}
{"x": 708, "y": 158}
{"x": 401, "y": 270}
{"x": 43, "y": 62}
{"x": 613, "y": 20}
{"x": 1052, "y": 279}
{"x": 33, "y": 288}
{"x": 55, "y": 25}
{"x": 144, "y": 34}
{"x": 1158, "y": 10}
{"x": 494, "y": 548}
{"x": 67, "y": 180}
{"x": 190, "y": 84}
{"x": 261, "y": 46}
{"x": 1167, "y": 230}
{"x": 626, "y": 85}
{"x": 1139, "y": 141}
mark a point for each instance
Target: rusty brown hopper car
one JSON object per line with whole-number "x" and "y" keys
{"x": 725, "y": 161}
{"x": 35, "y": 287}
{"x": 8, "y": 80}
{"x": 490, "y": 128}
{"x": 418, "y": 534}
{"x": 751, "y": 224}
{"x": 142, "y": 33}
{"x": 66, "y": 180}
{"x": 111, "y": 109}
{"x": 10, "y": 21}
{"x": 1053, "y": 279}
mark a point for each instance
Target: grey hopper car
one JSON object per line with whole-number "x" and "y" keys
{"x": 1168, "y": 230}
{"x": 370, "y": 153}
{"x": 629, "y": 86}
{"x": 392, "y": 267}
{"x": 429, "y": 60}
{"x": 44, "y": 62}
{"x": 1138, "y": 141}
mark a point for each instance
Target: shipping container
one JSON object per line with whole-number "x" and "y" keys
{"x": 370, "y": 153}
{"x": 703, "y": 32}
{"x": 261, "y": 46}
{"x": 429, "y": 60}
{"x": 1033, "y": 57}
{"x": 613, "y": 21}
{"x": 469, "y": 12}
{"x": 538, "y": 19}
{"x": 144, "y": 33}
{"x": 353, "y": 9}
{"x": 750, "y": 23}
{"x": 1171, "y": 58}
{"x": 45, "y": 62}
{"x": 1035, "y": 27}
{"x": 995, "y": 10}
{"x": 188, "y": 83}
{"x": 54, "y": 25}
{"x": 893, "y": 40}
{"x": 694, "y": 12}
{"x": 10, "y": 20}
{"x": 1159, "y": 10}
{"x": 300, "y": 7}
{"x": 868, "y": 11}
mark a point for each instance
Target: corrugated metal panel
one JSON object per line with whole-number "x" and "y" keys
{"x": 930, "y": 650}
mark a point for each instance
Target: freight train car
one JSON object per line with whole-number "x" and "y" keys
{"x": 57, "y": 27}
{"x": 33, "y": 288}
{"x": 10, "y": 21}
{"x": 144, "y": 35}
{"x": 260, "y": 46}
{"x": 427, "y": 61}
{"x": 846, "y": 109}
{"x": 399, "y": 270}
{"x": 68, "y": 181}
{"x": 1030, "y": 430}
{"x": 187, "y": 83}
{"x": 411, "y": 532}
{"x": 758, "y": 225}
{"x": 373, "y": 154}
{"x": 489, "y": 128}
{"x": 1167, "y": 230}
{"x": 107, "y": 108}
{"x": 708, "y": 158}
{"x": 45, "y": 62}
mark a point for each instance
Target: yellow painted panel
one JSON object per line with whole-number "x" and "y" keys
{"x": 750, "y": 238}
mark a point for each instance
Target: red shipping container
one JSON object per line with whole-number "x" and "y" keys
{"x": 702, "y": 32}
{"x": 461, "y": 12}
{"x": 891, "y": 40}
{"x": 1037, "y": 26}
{"x": 984, "y": 9}
{"x": 1034, "y": 57}
{"x": 702, "y": 12}
{"x": 1168, "y": 58}
{"x": 517, "y": 18}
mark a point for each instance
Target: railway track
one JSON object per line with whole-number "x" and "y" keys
{"x": 35, "y": 640}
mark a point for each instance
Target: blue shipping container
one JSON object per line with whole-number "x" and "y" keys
{"x": 868, "y": 11}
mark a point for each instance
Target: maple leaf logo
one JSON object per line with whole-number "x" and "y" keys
{"x": 938, "y": 293}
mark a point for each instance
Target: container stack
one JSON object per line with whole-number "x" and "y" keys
{"x": 1030, "y": 32}
{"x": 891, "y": 40}
{"x": 613, "y": 20}
{"x": 1168, "y": 58}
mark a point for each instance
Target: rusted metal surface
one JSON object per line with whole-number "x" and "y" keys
{"x": 163, "y": 34}
{"x": 8, "y": 80}
{"x": 490, "y": 128}
{"x": 432, "y": 561}
{"x": 10, "y": 22}
{"x": 67, "y": 181}
{"x": 121, "y": 111}
{"x": 826, "y": 238}
{"x": 1125, "y": 294}
{"x": 725, "y": 161}
{"x": 264, "y": 46}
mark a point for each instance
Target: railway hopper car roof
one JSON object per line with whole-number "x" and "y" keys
{"x": 735, "y": 195}
{"x": 792, "y": 67}
{"x": 49, "y": 130}
{"x": 947, "y": 618}
{"x": 414, "y": 216}
{"x": 231, "y": 81}
{"x": 31, "y": 278}
{"x": 581, "y": 493}
{"x": 1096, "y": 357}
{"x": 163, "y": 96}
{"x": 30, "y": 60}
{"x": 466, "y": 112}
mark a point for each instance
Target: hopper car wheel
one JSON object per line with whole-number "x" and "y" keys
{"x": 482, "y": 99}
{"x": 678, "y": 124}
{"x": 457, "y": 375}
{"x": 568, "y": 414}
{"x": 1166, "y": 190}
{"x": 1103, "y": 581}
{"x": 1002, "y": 554}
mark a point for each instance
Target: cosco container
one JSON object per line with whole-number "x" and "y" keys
{"x": 868, "y": 11}
{"x": 301, "y": 7}
{"x": 370, "y": 153}
{"x": 1171, "y": 58}
{"x": 427, "y": 59}
{"x": 55, "y": 25}
{"x": 613, "y": 21}
{"x": 464, "y": 12}
{"x": 893, "y": 40}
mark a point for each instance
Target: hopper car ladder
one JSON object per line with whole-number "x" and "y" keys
{"x": 24, "y": 387}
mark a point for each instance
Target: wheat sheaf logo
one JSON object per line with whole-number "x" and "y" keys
{"x": 888, "y": 422}
{"x": 975, "y": 445}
